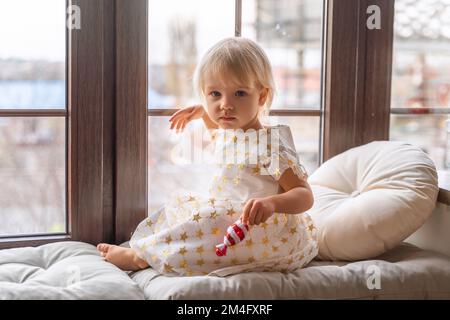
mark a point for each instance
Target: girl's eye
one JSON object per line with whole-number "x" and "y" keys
{"x": 240, "y": 93}
{"x": 215, "y": 93}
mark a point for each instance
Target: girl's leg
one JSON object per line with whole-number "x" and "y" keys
{"x": 124, "y": 258}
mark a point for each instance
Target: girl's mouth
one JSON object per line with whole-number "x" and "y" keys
{"x": 227, "y": 118}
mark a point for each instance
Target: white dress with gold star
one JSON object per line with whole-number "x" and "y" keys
{"x": 180, "y": 237}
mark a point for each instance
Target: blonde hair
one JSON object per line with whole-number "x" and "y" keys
{"x": 240, "y": 60}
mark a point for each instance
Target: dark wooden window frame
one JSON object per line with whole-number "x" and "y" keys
{"x": 90, "y": 128}
{"x": 107, "y": 107}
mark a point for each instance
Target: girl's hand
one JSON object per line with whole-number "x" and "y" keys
{"x": 182, "y": 117}
{"x": 257, "y": 211}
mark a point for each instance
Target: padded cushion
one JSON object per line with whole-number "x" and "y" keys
{"x": 370, "y": 198}
{"x": 406, "y": 272}
{"x": 62, "y": 270}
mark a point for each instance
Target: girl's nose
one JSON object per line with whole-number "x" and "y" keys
{"x": 225, "y": 105}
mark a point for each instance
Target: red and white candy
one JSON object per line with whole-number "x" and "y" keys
{"x": 235, "y": 234}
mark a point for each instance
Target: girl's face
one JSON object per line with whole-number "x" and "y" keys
{"x": 232, "y": 106}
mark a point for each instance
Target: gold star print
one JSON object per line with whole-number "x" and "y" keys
{"x": 160, "y": 219}
{"x": 182, "y": 251}
{"x": 234, "y": 261}
{"x": 302, "y": 257}
{"x": 149, "y": 223}
{"x": 189, "y": 272}
{"x": 183, "y": 264}
{"x": 215, "y": 231}
{"x": 277, "y": 172}
{"x": 274, "y": 248}
{"x": 224, "y": 179}
{"x": 152, "y": 242}
{"x": 165, "y": 253}
{"x": 217, "y": 261}
{"x": 191, "y": 198}
{"x": 275, "y": 221}
{"x": 290, "y": 163}
{"x": 311, "y": 227}
{"x": 290, "y": 261}
{"x": 168, "y": 239}
{"x": 211, "y": 201}
{"x": 199, "y": 233}
{"x": 229, "y": 165}
{"x": 265, "y": 254}
{"x": 293, "y": 230}
{"x": 143, "y": 246}
{"x": 235, "y": 139}
{"x": 199, "y": 249}
{"x": 284, "y": 240}
{"x": 251, "y": 259}
{"x": 168, "y": 267}
{"x": 196, "y": 217}
{"x": 183, "y": 236}
{"x": 241, "y": 166}
{"x": 200, "y": 262}
{"x": 214, "y": 215}
{"x": 256, "y": 170}
{"x": 265, "y": 240}
{"x": 249, "y": 243}
{"x": 236, "y": 180}
{"x": 264, "y": 225}
{"x": 230, "y": 212}
{"x": 179, "y": 200}
{"x": 154, "y": 257}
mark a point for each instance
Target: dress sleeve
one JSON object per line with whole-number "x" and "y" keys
{"x": 282, "y": 157}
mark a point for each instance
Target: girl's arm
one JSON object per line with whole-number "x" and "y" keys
{"x": 298, "y": 196}
{"x": 183, "y": 116}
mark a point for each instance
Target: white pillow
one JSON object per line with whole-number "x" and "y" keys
{"x": 370, "y": 198}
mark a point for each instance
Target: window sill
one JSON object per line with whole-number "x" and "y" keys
{"x": 31, "y": 241}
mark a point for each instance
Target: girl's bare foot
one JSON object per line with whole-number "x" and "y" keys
{"x": 124, "y": 258}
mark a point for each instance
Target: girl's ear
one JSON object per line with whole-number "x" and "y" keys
{"x": 263, "y": 96}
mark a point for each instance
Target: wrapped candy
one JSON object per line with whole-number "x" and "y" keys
{"x": 235, "y": 234}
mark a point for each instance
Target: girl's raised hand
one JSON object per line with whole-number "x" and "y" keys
{"x": 182, "y": 117}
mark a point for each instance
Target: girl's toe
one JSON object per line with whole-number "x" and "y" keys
{"x": 102, "y": 247}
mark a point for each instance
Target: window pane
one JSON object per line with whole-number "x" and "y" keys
{"x": 429, "y": 132}
{"x": 179, "y": 33}
{"x": 420, "y": 77}
{"x": 32, "y": 54}
{"x": 172, "y": 165}
{"x": 421, "y": 65}
{"x": 290, "y": 31}
{"x": 32, "y": 175}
